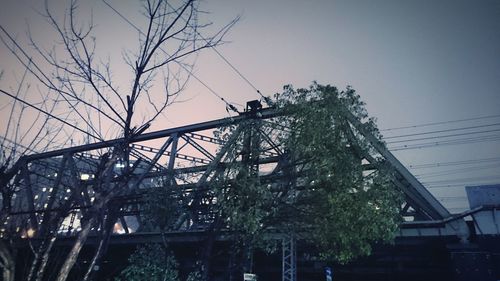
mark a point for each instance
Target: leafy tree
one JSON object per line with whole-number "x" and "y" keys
{"x": 163, "y": 208}
{"x": 150, "y": 262}
{"x": 154, "y": 262}
{"x": 336, "y": 203}
{"x": 328, "y": 197}
{"x": 320, "y": 190}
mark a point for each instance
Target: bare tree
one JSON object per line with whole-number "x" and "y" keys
{"x": 169, "y": 37}
{"x": 79, "y": 82}
{"x": 21, "y": 136}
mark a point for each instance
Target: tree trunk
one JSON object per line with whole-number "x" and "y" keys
{"x": 247, "y": 257}
{"x": 101, "y": 249}
{"x": 207, "y": 251}
{"x": 35, "y": 261}
{"x": 45, "y": 258}
{"x": 75, "y": 251}
{"x": 42, "y": 255}
{"x": 8, "y": 262}
{"x": 231, "y": 263}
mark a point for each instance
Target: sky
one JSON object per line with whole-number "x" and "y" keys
{"x": 412, "y": 62}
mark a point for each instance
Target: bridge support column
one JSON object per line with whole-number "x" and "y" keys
{"x": 289, "y": 258}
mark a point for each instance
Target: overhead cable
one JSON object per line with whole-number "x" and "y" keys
{"x": 443, "y": 131}
{"x": 51, "y": 115}
{"x": 442, "y": 122}
{"x": 445, "y": 136}
{"x": 462, "y": 180}
{"x": 457, "y": 171}
{"x": 446, "y": 143}
{"x": 266, "y": 99}
{"x": 454, "y": 163}
{"x": 14, "y": 143}
{"x": 229, "y": 106}
{"x": 49, "y": 81}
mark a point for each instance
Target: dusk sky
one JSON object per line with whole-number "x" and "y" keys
{"x": 412, "y": 62}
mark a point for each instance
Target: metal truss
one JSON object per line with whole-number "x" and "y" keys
{"x": 71, "y": 183}
{"x": 289, "y": 259}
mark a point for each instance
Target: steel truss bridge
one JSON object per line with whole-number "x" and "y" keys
{"x": 63, "y": 187}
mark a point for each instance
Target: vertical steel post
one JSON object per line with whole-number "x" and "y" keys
{"x": 289, "y": 261}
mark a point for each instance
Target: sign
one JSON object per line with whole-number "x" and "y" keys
{"x": 249, "y": 277}
{"x": 329, "y": 273}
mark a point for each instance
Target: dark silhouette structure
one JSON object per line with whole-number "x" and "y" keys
{"x": 56, "y": 196}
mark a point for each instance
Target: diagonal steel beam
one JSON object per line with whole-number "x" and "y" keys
{"x": 198, "y": 147}
{"x": 425, "y": 200}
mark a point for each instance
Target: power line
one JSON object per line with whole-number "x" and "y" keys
{"x": 450, "y": 199}
{"x": 51, "y": 115}
{"x": 445, "y": 186}
{"x": 445, "y": 136}
{"x": 446, "y": 143}
{"x": 462, "y": 180}
{"x": 252, "y": 85}
{"x": 228, "y": 104}
{"x": 441, "y": 122}
{"x": 234, "y": 68}
{"x": 443, "y": 131}
{"x": 462, "y": 185}
{"x": 456, "y": 171}
{"x": 454, "y": 163}
{"x": 17, "y": 144}
{"x": 48, "y": 82}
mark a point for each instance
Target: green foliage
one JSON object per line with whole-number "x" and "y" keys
{"x": 345, "y": 209}
{"x": 163, "y": 208}
{"x": 243, "y": 201}
{"x": 150, "y": 262}
{"x": 324, "y": 194}
{"x": 330, "y": 199}
{"x": 194, "y": 276}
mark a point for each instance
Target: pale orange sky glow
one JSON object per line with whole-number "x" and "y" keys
{"x": 412, "y": 62}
